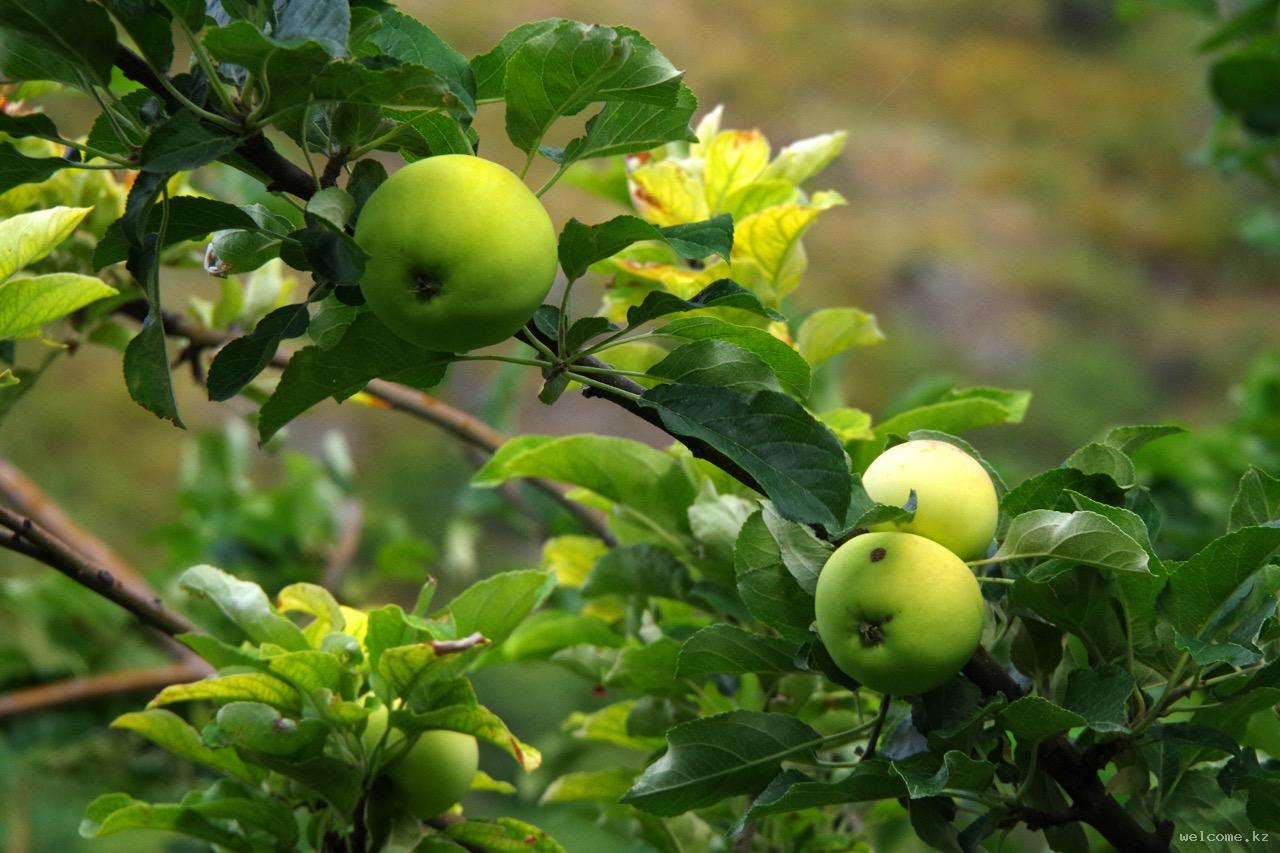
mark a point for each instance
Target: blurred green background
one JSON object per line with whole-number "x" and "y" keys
{"x": 1026, "y": 209}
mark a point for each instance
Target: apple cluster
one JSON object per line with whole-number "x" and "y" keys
{"x": 897, "y": 608}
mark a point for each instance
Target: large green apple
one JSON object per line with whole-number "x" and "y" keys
{"x": 898, "y": 612}
{"x": 461, "y": 253}
{"x": 956, "y": 503}
{"x": 436, "y": 771}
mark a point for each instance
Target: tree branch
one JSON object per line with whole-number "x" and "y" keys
{"x": 1062, "y": 761}
{"x": 83, "y": 689}
{"x": 28, "y": 538}
{"x": 27, "y": 498}
{"x": 463, "y": 426}
{"x": 255, "y": 149}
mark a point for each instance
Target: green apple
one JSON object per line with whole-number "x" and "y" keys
{"x": 461, "y": 253}
{"x": 898, "y": 612}
{"x": 436, "y": 771}
{"x": 956, "y": 503}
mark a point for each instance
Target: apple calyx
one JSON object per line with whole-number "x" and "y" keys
{"x": 425, "y": 285}
{"x": 872, "y": 630}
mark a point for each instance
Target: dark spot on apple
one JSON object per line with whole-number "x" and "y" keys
{"x": 425, "y": 285}
{"x": 877, "y": 555}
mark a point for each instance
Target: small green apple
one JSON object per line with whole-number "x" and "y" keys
{"x": 436, "y": 771}
{"x": 461, "y": 253}
{"x": 898, "y": 612}
{"x": 956, "y": 504}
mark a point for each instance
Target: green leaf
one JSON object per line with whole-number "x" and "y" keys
{"x": 78, "y": 35}
{"x": 828, "y": 332}
{"x": 409, "y": 40}
{"x": 804, "y": 158}
{"x": 1128, "y": 521}
{"x": 628, "y": 127}
{"x": 1130, "y": 439}
{"x": 17, "y": 168}
{"x": 150, "y": 25}
{"x": 237, "y": 687}
{"x": 583, "y": 245}
{"x": 27, "y": 304}
{"x": 629, "y": 473}
{"x": 639, "y": 570}
{"x": 791, "y": 790}
{"x": 183, "y": 143}
{"x": 490, "y": 68}
{"x": 558, "y": 72}
{"x": 722, "y": 293}
{"x": 190, "y": 218}
{"x": 727, "y": 649}
{"x": 960, "y": 409}
{"x": 496, "y": 605}
{"x": 1046, "y": 489}
{"x": 146, "y": 372}
{"x": 927, "y": 774}
{"x": 1099, "y": 694}
{"x": 246, "y": 605}
{"x": 1078, "y": 537}
{"x": 589, "y": 786}
{"x": 718, "y": 364}
{"x": 649, "y": 669}
{"x": 367, "y": 350}
{"x": 1031, "y": 719}
{"x": 332, "y": 204}
{"x": 326, "y": 23}
{"x": 1245, "y": 83}
{"x": 503, "y": 835}
{"x": 453, "y": 706}
{"x": 796, "y": 460}
{"x": 546, "y": 632}
{"x": 1201, "y": 587}
{"x": 32, "y": 124}
{"x": 241, "y": 360}
{"x": 787, "y": 364}
{"x": 107, "y": 817}
{"x": 168, "y": 730}
{"x": 1257, "y": 501}
{"x": 720, "y": 756}
{"x": 768, "y": 589}
{"x": 1098, "y": 458}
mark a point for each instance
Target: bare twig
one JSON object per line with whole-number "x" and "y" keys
{"x": 28, "y": 538}
{"x": 27, "y": 498}
{"x": 83, "y": 689}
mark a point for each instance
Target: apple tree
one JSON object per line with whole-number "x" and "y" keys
{"x": 1115, "y": 695}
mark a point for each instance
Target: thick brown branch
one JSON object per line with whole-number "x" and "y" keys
{"x": 27, "y": 537}
{"x": 44, "y": 696}
{"x": 255, "y": 149}
{"x": 1062, "y": 761}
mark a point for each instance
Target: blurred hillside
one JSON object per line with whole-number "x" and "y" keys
{"x": 1024, "y": 211}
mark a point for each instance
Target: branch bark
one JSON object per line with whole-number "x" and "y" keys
{"x": 1062, "y": 761}
{"x": 83, "y": 689}
{"x": 27, "y": 537}
{"x": 27, "y": 498}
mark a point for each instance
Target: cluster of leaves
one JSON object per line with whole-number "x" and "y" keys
{"x": 1159, "y": 668}
{"x": 293, "y": 697}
